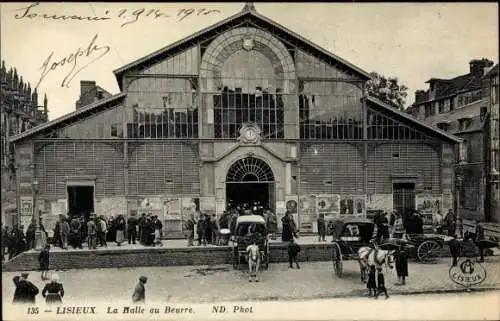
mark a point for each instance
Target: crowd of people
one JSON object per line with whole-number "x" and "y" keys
{"x": 210, "y": 230}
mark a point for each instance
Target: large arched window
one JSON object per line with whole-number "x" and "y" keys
{"x": 249, "y": 91}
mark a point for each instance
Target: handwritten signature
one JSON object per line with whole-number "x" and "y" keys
{"x": 130, "y": 16}
{"x": 92, "y": 50}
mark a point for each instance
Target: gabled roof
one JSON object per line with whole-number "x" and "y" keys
{"x": 389, "y": 109}
{"x": 71, "y": 117}
{"x": 163, "y": 53}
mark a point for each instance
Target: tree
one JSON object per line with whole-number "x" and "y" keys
{"x": 387, "y": 89}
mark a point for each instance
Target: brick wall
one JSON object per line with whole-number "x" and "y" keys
{"x": 56, "y": 161}
{"x": 340, "y": 164}
{"x": 412, "y": 159}
{"x": 163, "y": 168}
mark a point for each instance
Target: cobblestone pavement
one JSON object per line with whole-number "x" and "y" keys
{"x": 222, "y": 283}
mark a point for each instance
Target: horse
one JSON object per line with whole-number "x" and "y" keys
{"x": 374, "y": 256}
{"x": 253, "y": 258}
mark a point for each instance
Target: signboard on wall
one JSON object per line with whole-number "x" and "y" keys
{"x": 328, "y": 204}
{"x": 307, "y": 210}
{"x": 27, "y": 206}
{"x": 380, "y": 202}
{"x": 428, "y": 205}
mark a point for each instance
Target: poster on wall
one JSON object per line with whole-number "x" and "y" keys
{"x": 172, "y": 216}
{"x": 428, "y": 205}
{"x": 379, "y": 202}
{"x": 27, "y": 206}
{"x": 220, "y": 206}
{"x": 352, "y": 205}
{"x": 328, "y": 204}
{"x": 207, "y": 204}
{"x": 307, "y": 211}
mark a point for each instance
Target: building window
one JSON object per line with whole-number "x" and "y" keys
{"x": 463, "y": 151}
{"x": 452, "y": 104}
{"x": 116, "y": 130}
{"x": 441, "y": 106}
{"x": 429, "y": 110}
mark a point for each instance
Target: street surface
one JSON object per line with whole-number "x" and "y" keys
{"x": 203, "y": 284}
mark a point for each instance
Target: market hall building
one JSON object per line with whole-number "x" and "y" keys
{"x": 243, "y": 110}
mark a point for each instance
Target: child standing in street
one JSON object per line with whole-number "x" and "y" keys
{"x": 381, "y": 284}
{"x": 44, "y": 260}
{"x": 371, "y": 284}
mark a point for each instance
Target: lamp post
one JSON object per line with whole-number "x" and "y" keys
{"x": 38, "y": 232}
{"x": 458, "y": 184}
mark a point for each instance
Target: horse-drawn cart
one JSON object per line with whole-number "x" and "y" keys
{"x": 348, "y": 237}
{"x": 250, "y": 228}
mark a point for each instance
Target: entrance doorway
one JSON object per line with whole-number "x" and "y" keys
{"x": 80, "y": 200}
{"x": 250, "y": 180}
{"x": 404, "y": 197}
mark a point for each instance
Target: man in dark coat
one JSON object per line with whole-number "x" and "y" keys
{"x": 25, "y": 290}
{"x": 451, "y": 222}
{"x": 288, "y": 227}
{"x": 293, "y": 251}
{"x": 321, "y": 228}
{"x": 208, "y": 229}
{"x": 200, "y": 230}
{"x": 382, "y": 228}
{"x": 142, "y": 225}
{"x": 419, "y": 224}
{"x": 131, "y": 229}
{"x": 30, "y": 235}
{"x": 401, "y": 258}
{"x": 455, "y": 246}
{"x": 478, "y": 237}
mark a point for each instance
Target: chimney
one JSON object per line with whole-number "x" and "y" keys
{"x": 88, "y": 92}
{"x": 477, "y": 66}
{"x": 420, "y": 96}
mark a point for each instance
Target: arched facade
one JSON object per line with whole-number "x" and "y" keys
{"x": 247, "y": 109}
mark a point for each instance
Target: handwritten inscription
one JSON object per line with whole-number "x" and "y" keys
{"x": 126, "y": 15}
{"x": 93, "y": 51}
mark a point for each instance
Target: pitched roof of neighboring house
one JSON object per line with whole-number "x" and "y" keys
{"x": 450, "y": 87}
{"x": 227, "y": 23}
{"x": 419, "y": 124}
{"x": 72, "y": 117}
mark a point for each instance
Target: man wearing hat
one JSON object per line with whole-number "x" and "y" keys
{"x": 139, "y": 295}
{"x": 92, "y": 232}
{"x": 25, "y": 290}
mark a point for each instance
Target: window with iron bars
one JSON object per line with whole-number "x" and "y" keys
{"x": 232, "y": 108}
{"x": 330, "y": 110}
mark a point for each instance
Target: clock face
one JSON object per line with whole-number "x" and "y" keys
{"x": 250, "y": 134}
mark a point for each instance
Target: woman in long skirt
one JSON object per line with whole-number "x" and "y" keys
{"x": 53, "y": 292}
{"x": 120, "y": 230}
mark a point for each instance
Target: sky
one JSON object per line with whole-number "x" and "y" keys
{"x": 412, "y": 41}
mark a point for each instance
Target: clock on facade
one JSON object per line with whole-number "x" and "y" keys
{"x": 249, "y": 134}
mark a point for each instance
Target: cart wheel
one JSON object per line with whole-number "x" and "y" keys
{"x": 337, "y": 260}
{"x": 429, "y": 252}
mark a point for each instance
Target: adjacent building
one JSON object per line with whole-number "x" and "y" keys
{"x": 462, "y": 106}
{"x": 243, "y": 110}
{"x": 19, "y": 112}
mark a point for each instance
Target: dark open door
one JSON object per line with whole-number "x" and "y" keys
{"x": 404, "y": 197}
